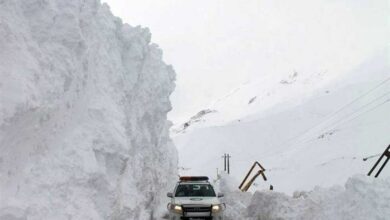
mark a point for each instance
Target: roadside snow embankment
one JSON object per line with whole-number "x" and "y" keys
{"x": 83, "y": 104}
{"x": 362, "y": 198}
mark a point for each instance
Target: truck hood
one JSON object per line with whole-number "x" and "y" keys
{"x": 196, "y": 200}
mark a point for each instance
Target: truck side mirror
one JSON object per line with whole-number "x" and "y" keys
{"x": 170, "y": 195}
{"x": 220, "y": 195}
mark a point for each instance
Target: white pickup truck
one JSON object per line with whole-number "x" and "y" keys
{"x": 194, "y": 198}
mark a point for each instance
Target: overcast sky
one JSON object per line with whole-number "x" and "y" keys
{"x": 216, "y": 45}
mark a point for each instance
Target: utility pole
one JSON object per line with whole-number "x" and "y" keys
{"x": 385, "y": 154}
{"x": 224, "y": 162}
{"x": 228, "y": 163}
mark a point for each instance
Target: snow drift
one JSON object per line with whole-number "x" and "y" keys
{"x": 83, "y": 104}
{"x": 362, "y": 198}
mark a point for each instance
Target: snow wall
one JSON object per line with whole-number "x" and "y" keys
{"x": 83, "y": 104}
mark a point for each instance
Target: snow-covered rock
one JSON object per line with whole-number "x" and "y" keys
{"x": 83, "y": 104}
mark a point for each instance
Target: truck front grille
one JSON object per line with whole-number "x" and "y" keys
{"x": 194, "y": 211}
{"x": 197, "y": 209}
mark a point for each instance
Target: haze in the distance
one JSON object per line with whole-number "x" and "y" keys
{"x": 216, "y": 45}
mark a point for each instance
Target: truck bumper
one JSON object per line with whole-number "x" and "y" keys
{"x": 216, "y": 216}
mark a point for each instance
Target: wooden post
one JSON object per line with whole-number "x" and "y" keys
{"x": 244, "y": 186}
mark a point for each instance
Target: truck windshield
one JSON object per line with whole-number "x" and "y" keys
{"x": 196, "y": 190}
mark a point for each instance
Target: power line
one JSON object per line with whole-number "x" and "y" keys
{"x": 362, "y": 96}
{"x": 346, "y": 116}
{"x": 332, "y": 115}
{"x": 369, "y": 110}
{"x": 350, "y": 119}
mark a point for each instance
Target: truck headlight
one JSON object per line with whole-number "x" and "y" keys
{"x": 176, "y": 208}
{"x": 218, "y": 208}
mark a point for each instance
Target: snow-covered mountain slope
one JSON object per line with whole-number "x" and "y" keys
{"x": 258, "y": 95}
{"x": 301, "y": 140}
{"x": 83, "y": 104}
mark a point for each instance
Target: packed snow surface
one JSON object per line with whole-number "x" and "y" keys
{"x": 361, "y": 198}
{"x": 83, "y": 104}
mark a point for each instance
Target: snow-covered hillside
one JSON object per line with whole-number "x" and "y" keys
{"x": 304, "y": 132}
{"x": 83, "y": 104}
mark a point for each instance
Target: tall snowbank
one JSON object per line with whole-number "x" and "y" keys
{"x": 362, "y": 198}
{"x": 235, "y": 200}
{"x": 83, "y": 104}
